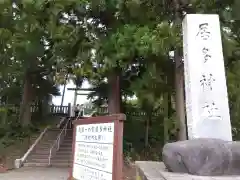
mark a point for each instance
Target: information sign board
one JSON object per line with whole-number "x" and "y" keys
{"x": 97, "y": 148}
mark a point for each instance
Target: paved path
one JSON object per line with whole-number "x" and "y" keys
{"x": 36, "y": 173}
{"x": 157, "y": 171}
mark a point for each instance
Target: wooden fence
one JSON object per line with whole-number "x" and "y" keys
{"x": 66, "y": 110}
{"x": 53, "y": 109}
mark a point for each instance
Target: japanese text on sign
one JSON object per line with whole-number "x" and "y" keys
{"x": 94, "y": 151}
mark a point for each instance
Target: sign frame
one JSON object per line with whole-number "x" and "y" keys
{"x": 118, "y": 120}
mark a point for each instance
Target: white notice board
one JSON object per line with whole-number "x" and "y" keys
{"x": 93, "y": 158}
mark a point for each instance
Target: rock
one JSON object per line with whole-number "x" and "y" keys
{"x": 235, "y": 161}
{"x": 203, "y": 156}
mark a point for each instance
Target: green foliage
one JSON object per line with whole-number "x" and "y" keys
{"x": 42, "y": 41}
{"x": 12, "y": 132}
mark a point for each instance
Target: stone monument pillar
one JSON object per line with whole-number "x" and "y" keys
{"x": 205, "y": 83}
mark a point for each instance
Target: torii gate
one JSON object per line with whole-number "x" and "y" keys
{"x": 114, "y": 93}
{"x": 79, "y": 94}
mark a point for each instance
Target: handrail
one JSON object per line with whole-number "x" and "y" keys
{"x": 57, "y": 141}
{"x": 61, "y": 122}
{"x": 19, "y": 162}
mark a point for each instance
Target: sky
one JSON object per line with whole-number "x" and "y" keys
{"x": 69, "y": 95}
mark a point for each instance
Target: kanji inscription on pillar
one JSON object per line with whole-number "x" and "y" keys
{"x": 205, "y": 82}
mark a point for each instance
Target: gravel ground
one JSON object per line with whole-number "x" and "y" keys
{"x": 36, "y": 173}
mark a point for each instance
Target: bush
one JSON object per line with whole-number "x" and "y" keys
{"x": 11, "y": 130}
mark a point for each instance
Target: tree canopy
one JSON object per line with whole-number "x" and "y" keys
{"x": 44, "y": 41}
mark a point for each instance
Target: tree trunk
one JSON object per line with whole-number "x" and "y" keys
{"x": 114, "y": 98}
{"x": 75, "y": 97}
{"x": 40, "y": 107}
{"x": 25, "y": 111}
{"x": 180, "y": 105}
{"x": 64, "y": 90}
{"x": 166, "y": 117}
{"x": 147, "y": 130}
{"x": 45, "y": 106}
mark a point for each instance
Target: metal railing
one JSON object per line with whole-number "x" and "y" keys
{"x": 57, "y": 142}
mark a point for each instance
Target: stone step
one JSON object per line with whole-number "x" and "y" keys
{"x": 66, "y": 144}
{"x": 44, "y": 145}
{"x": 49, "y": 143}
{"x": 33, "y": 164}
{"x": 38, "y": 161}
{"x": 51, "y": 134}
{"x": 66, "y": 147}
{"x": 68, "y": 137}
{"x": 60, "y": 152}
{"x": 61, "y": 159}
{"x": 62, "y": 156}
{"x": 39, "y": 149}
{"x": 67, "y": 140}
{"x": 65, "y": 150}
{"x": 41, "y": 152}
{"x": 63, "y": 145}
{"x": 46, "y": 141}
{"x": 62, "y": 164}
{"x": 37, "y": 156}
{"x": 69, "y": 134}
{"x": 54, "y": 129}
{"x": 42, "y": 148}
{"x": 70, "y": 130}
{"x": 47, "y": 146}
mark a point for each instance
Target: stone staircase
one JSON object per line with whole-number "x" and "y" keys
{"x": 39, "y": 156}
{"x": 63, "y": 157}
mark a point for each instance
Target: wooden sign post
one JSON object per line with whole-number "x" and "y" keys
{"x": 97, "y": 148}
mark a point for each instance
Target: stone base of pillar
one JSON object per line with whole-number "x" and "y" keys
{"x": 151, "y": 170}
